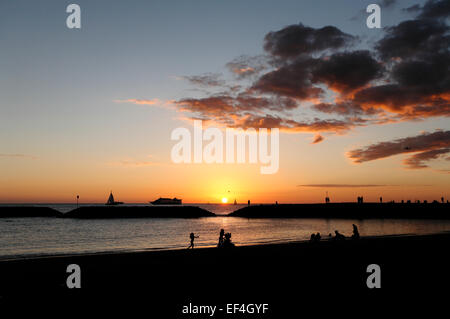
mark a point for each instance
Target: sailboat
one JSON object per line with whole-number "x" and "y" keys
{"x": 235, "y": 203}
{"x": 111, "y": 200}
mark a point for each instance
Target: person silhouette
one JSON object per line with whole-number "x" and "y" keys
{"x": 222, "y": 233}
{"x": 355, "y": 232}
{"x": 338, "y": 235}
{"x": 192, "y": 237}
{"x": 227, "y": 243}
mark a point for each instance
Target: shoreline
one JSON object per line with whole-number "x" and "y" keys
{"x": 207, "y": 249}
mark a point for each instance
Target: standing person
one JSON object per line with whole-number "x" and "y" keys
{"x": 192, "y": 237}
{"x": 222, "y": 233}
{"x": 355, "y": 232}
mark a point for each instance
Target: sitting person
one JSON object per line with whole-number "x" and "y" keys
{"x": 338, "y": 236}
{"x": 227, "y": 242}
{"x": 355, "y": 232}
{"x": 315, "y": 238}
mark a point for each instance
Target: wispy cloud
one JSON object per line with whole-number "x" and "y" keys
{"x": 342, "y": 185}
{"x": 25, "y": 156}
{"x": 205, "y": 80}
{"x": 317, "y": 139}
{"x": 128, "y": 162}
{"x": 426, "y": 146}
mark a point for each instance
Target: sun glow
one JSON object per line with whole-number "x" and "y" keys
{"x": 224, "y": 200}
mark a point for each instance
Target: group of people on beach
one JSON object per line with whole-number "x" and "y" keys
{"x": 337, "y": 235}
{"x": 224, "y": 240}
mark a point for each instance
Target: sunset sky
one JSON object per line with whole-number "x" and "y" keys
{"x": 361, "y": 111}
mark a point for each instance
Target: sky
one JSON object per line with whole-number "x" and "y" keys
{"x": 361, "y": 112}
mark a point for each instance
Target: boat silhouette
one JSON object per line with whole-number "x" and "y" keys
{"x": 111, "y": 200}
{"x": 166, "y": 201}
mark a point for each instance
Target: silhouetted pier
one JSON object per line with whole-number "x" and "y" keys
{"x": 359, "y": 210}
{"x": 87, "y": 212}
{"x": 28, "y": 211}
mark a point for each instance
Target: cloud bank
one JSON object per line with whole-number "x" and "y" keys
{"x": 403, "y": 76}
{"x": 424, "y": 147}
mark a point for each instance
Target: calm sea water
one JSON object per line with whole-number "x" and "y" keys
{"x": 219, "y": 209}
{"x": 22, "y": 237}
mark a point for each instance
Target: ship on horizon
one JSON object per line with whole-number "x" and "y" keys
{"x": 111, "y": 200}
{"x": 166, "y": 201}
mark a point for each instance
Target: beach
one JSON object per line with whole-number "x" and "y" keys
{"x": 135, "y": 257}
{"x": 277, "y": 274}
{"x": 133, "y": 229}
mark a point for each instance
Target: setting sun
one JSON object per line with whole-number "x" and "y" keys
{"x": 224, "y": 200}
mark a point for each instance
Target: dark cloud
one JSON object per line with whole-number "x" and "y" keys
{"x": 220, "y": 106}
{"x": 300, "y": 79}
{"x": 208, "y": 79}
{"x": 434, "y": 9}
{"x": 420, "y": 88}
{"x": 388, "y": 3}
{"x": 347, "y": 71}
{"x": 343, "y": 108}
{"x": 419, "y": 74}
{"x": 293, "y": 80}
{"x": 295, "y": 40}
{"x": 431, "y": 73}
{"x": 404, "y": 77}
{"x": 417, "y": 78}
{"x": 418, "y": 160}
{"x": 317, "y": 139}
{"x": 413, "y": 8}
{"x": 425, "y": 146}
{"x": 290, "y": 125}
{"x": 391, "y": 97}
{"x": 414, "y": 38}
{"x": 420, "y": 112}
{"x": 247, "y": 66}
{"x": 209, "y": 106}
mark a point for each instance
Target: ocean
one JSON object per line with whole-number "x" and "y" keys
{"x": 27, "y": 237}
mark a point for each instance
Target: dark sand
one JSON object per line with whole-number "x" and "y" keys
{"x": 327, "y": 278}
